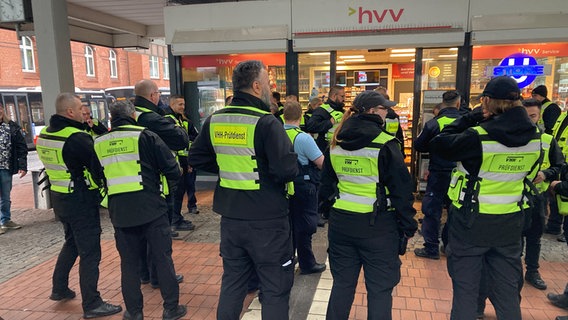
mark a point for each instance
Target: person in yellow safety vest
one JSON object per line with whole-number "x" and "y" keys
{"x": 151, "y": 117}
{"x": 135, "y": 160}
{"x": 549, "y": 110}
{"x": 392, "y": 121}
{"x": 248, "y": 148}
{"x": 496, "y": 147}
{"x": 304, "y": 202}
{"x": 549, "y": 170}
{"x": 440, "y": 169}
{"x": 94, "y": 127}
{"x": 176, "y": 112}
{"x": 560, "y": 188}
{"x": 557, "y": 222}
{"x": 368, "y": 191}
{"x": 75, "y": 176}
{"x": 326, "y": 118}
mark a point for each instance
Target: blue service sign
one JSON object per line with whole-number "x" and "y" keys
{"x": 521, "y": 67}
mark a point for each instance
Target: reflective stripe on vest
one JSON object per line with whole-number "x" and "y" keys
{"x": 118, "y": 152}
{"x": 358, "y": 175}
{"x": 50, "y": 151}
{"x": 501, "y": 174}
{"x": 232, "y": 132}
{"x": 336, "y": 115}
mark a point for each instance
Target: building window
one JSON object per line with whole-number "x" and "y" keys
{"x": 27, "y": 52}
{"x": 166, "y": 69}
{"x": 112, "y": 61}
{"x": 90, "y": 61}
{"x": 154, "y": 67}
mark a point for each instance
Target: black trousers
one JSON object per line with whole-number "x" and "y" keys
{"x": 532, "y": 237}
{"x": 379, "y": 258}
{"x": 129, "y": 243}
{"x": 503, "y": 269}
{"x": 435, "y": 199}
{"x": 79, "y": 214}
{"x": 304, "y": 215}
{"x": 266, "y": 247}
{"x": 186, "y": 184}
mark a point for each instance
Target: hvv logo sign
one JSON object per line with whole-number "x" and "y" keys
{"x": 372, "y": 15}
{"x": 521, "y": 67}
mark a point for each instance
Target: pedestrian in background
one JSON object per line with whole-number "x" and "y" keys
{"x": 13, "y": 160}
{"x": 246, "y": 146}
{"x": 369, "y": 193}
{"x": 75, "y": 177}
{"x": 487, "y": 214}
{"x": 551, "y": 164}
{"x": 138, "y": 212}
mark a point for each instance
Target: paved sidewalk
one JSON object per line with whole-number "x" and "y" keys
{"x": 28, "y": 255}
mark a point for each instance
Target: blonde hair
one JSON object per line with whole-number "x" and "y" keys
{"x": 498, "y": 106}
{"x": 346, "y": 116}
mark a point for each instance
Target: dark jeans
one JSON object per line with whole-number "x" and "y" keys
{"x": 131, "y": 241}
{"x": 79, "y": 214}
{"x": 304, "y": 215}
{"x": 503, "y": 269}
{"x": 262, "y": 245}
{"x": 381, "y": 265}
{"x": 5, "y": 189}
{"x": 433, "y": 203}
{"x": 186, "y": 184}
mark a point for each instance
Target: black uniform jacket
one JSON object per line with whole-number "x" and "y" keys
{"x": 277, "y": 164}
{"x": 78, "y": 152}
{"x": 19, "y": 149}
{"x": 137, "y": 208}
{"x": 550, "y": 115}
{"x": 319, "y": 123}
{"x": 357, "y": 132}
{"x": 174, "y": 136}
{"x": 457, "y": 142}
{"x": 431, "y": 129}
{"x": 191, "y": 131}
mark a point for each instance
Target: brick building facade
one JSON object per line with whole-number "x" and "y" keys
{"x": 92, "y": 64}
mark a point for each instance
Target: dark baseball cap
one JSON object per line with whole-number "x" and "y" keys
{"x": 369, "y": 99}
{"x": 502, "y": 88}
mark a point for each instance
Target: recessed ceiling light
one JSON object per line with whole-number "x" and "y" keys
{"x": 402, "y": 50}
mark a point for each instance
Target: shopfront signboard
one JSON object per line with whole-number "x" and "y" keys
{"x": 521, "y": 67}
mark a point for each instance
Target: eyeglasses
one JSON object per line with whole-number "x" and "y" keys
{"x": 157, "y": 92}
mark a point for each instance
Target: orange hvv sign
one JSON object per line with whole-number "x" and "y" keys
{"x": 231, "y": 60}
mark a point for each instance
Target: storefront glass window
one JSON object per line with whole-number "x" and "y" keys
{"x": 530, "y": 65}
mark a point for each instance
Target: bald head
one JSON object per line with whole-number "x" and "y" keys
{"x": 67, "y": 104}
{"x": 148, "y": 90}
